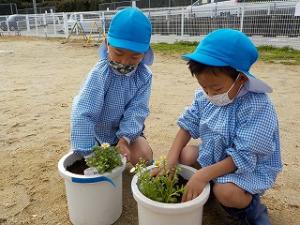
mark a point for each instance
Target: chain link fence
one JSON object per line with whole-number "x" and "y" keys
{"x": 267, "y": 23}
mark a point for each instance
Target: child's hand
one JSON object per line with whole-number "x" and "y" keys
{"x": 155, "y": 171}
{"x": 194, "y": 187}
{"x": 124, "y": 149}
{"x": 158, "y": 171}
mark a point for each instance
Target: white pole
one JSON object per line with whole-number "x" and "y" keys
{"x": 242, "y": 19}
{"x": 168, "y": 24}
{"x": 11, "y": 11}
{"x": 54, "y": 21}
{"x": 133, "y": 3}
{"x": 45, "y": 24}
{"x": 7, "y": 24}
{"x": 66, "y": 25}
{"x": 182, "y": 23}
{"x": 36, "y": 24}
{"x": 16, "y": 8}
{"x": 103, "y": 23}
{"x": 27, "y": 23}
{"x": 34, "y": 6}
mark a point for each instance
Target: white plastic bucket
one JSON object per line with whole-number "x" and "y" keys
{"x": 151, "y": 212}
{"x": 92, "y": 200}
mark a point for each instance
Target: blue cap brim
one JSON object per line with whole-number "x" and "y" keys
{"x": 128, "y": 45}
{"x": 205, "y": 59}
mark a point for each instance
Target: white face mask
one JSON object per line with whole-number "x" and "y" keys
{"x": 222, "y": 99}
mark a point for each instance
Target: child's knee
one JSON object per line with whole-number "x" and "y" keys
{"x": 140, "y": 149}
{"x": 148, "y": 153}
{"x": 224, "y": 193}
{"x": 188, "y": 156}
{"x": 230, "y": 195}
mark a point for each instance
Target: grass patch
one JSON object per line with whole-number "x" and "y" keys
{"x": 285, "y": 55}
{"x": 269, "y": 54}
{"x": 178, "y": 48}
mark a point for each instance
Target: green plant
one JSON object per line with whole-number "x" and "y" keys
{"x": 162, "y": 188}
{"x": 104, "y": 158}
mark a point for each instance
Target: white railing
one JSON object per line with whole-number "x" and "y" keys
{"x": 267, "y": 23}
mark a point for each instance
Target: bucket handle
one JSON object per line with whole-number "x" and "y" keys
{"x": 93, "y": 180}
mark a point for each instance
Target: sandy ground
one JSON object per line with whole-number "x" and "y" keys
{"x": 38, "y": 79}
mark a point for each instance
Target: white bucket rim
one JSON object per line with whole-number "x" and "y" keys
{"x": 169, "y": 207}
{"x": 86, "y": 179}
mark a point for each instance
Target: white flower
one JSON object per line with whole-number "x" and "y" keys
{"x": 132, "y": 170}
{"x": 105, "y": 145}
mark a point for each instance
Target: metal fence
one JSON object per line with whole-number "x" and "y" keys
{"x": 267, "y": 23}
{"x": 147, "y": 4}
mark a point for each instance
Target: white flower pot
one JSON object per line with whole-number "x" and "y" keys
{"x": 152, "y": 212}
{"x": 92, "y": 200}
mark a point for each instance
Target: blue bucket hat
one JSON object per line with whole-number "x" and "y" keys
{"x": 228, "y": 47}
{"x": 130, "y": 29}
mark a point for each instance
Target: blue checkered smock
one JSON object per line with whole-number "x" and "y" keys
{"x": 247, "y": 130}
{"x": 110, "y": 106}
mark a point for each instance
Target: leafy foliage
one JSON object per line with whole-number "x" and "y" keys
{"x": 163, "y": 187}
{"x": 104, "y": 158}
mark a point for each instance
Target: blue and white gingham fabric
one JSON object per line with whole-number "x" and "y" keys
{"x": 110, "y": 106}
{"x": 247, "y": 130}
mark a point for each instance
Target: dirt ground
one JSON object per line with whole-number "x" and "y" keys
{"x": 39, "y": 78}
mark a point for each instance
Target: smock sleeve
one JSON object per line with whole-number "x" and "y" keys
{"x": 87, "y": 106}
{"x": 190, "y": 118}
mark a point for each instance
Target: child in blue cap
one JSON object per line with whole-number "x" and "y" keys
{"x": 237, "y": 124}
{"x": 113, "y": 102}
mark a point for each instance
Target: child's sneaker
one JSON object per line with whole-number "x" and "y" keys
{"x": 255, "y": 214}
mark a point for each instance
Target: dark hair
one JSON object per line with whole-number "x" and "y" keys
{"x": 197, "y": 68}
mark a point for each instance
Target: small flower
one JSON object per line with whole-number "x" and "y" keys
{"x": 156, "y": 163}
{"x": 132, "y": 170}
{"x": 105, "y": 145}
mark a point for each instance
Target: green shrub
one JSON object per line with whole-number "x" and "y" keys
{"x": 104, "y": 158}
{"x": 162, "y": 188}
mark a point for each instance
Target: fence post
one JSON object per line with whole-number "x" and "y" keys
{"x": 66, "y": 25}
{"x": 103, "y": 23}
{"x": 242, "y": 20}
{"x": 7, "y": 24}
{"x": 168, "y": 24}
{"x": 54, "y": 21}
{"x": 36, "y": 24}
{"x": 27, "y": 23}
{"x": 45, "y": 24}
{"x": 182, "y": 22}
